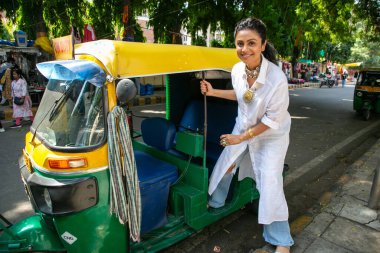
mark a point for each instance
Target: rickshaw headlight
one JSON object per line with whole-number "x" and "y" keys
{"x": 61, "y": 196}
{"x": 359, "y": 94}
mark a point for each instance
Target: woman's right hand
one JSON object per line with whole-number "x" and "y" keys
{"x": 206, "y": 88}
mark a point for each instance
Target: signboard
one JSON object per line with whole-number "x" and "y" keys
{"x": 63, "y": 48}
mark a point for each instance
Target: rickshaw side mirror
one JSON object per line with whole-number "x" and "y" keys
{"x": 125, "y": 90}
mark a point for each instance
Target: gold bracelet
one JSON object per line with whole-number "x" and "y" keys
{"x": 251, "y": 135}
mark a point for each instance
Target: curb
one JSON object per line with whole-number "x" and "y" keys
{"x": 303, "y": 85}
{"x": 7, "y": 113}
{"x": 305, "y": 169}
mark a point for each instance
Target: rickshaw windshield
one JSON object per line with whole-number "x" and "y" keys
{"x": 71, "y": 114}
{"x": 370, "y": 78}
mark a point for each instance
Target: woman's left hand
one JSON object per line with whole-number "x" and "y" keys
{"x": 230, "y": 139}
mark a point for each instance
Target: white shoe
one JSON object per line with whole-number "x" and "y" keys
{"x": 2, "y": 130}
{"x": 3, "y": 100}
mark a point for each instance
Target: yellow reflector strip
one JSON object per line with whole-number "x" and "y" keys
{"x": 27, "y": 161}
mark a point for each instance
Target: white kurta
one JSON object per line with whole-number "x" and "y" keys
{"x": 20, "y": 89}
{"x": 266, "y": 151}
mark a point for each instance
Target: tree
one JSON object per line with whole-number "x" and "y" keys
{"x": 167, "y": 18}
{"x": 4, "y": 33}
{"x": 60, "y": 15}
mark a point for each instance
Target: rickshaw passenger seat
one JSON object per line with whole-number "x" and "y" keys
{"x": 158, "y": 132}
{"x": 221, "y": 115}
{"x": 155, "y": 176}
{"x": 155, "y": 179}
{"x": 192, "y": 118}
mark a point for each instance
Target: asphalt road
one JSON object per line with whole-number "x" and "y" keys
{"x": 321, "y": 118}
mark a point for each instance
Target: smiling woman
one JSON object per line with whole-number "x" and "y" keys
{"x": 259, "y": 140}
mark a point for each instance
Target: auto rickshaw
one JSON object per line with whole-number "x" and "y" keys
{"x": 97, "y": 186}
{"x": 367, "y": 92}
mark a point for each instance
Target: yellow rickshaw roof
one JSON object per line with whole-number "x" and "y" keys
{"x": 354, "y": 64}
{"x": 131, "y": 59}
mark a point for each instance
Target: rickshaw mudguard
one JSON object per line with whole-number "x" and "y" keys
{"x": 30, "y": 234}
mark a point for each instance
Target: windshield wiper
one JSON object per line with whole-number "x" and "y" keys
{"x": 53, "y": 111}
{"x": 58, "y": 104}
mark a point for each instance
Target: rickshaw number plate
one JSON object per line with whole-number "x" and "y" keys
{"x": 28, "y": 164}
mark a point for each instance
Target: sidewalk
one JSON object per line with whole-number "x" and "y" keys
{"x": 345, "y": 223}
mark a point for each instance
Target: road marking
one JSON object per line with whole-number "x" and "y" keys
{"x": 307, "y": 167}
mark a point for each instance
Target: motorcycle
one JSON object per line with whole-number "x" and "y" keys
{"x": 327, "y": 80}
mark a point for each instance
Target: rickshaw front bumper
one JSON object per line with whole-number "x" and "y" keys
{"x": 59, "y": 196}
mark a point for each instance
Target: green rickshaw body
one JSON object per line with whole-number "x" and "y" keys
{"x": 65, "y": 163}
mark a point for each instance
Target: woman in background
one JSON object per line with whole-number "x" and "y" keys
{"x": 20, "y": 90}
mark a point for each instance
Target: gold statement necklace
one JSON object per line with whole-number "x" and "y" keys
{"x": 249, "y": 94}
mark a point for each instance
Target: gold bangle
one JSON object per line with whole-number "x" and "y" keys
{"x": 250, "y": 133}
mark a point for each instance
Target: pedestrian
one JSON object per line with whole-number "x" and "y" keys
{"x": 344, "y": 77}
{"x": 6, "y": 79}
{"x": 260, "y": 138}
{"x": 23, "y": 107}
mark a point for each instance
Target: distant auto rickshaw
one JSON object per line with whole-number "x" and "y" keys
{"x": 367, "y": 92}
{"x": 94, "y": 186}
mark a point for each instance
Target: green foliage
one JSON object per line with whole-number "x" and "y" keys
{"x": 198, "y": 41}
{"x": 367, "y": 12}
{"x": 297, "y": 28}
{"x": 167, "y": 17}
{"x": 216, "y": 43}
{"x": 60, "y": 15}
{"x": 365, "y": 51}
{"x": 4, "y": 32}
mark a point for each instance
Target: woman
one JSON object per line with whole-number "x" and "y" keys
{"x": 260, "y": 138}
{"x": 20, "y": 90}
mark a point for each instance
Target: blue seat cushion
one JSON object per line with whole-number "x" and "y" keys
{"x": 158, "y": 132}
{"x": 221, "y": 117}
{"x": 192, "y": 118}
{"x": 155, "y": 177}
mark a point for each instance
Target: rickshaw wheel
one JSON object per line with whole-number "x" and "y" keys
{"x": 253, "y": 207}
{"x": 366, "y": 114}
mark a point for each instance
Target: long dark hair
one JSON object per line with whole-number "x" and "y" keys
{"x": 19, "y": 73}
{"x": 257, "y": 25}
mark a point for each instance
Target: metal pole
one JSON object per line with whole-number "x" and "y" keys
{"x": 374, "y": 197}
{"x": 205, "y": 123}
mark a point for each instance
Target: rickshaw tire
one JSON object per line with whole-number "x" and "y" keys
{"x": 253, "y": 207}
{"x": 366, "y": 114}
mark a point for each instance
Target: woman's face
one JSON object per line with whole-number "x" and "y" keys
{"x": 15, "y": 75}
{"x": 249, "y": 47}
